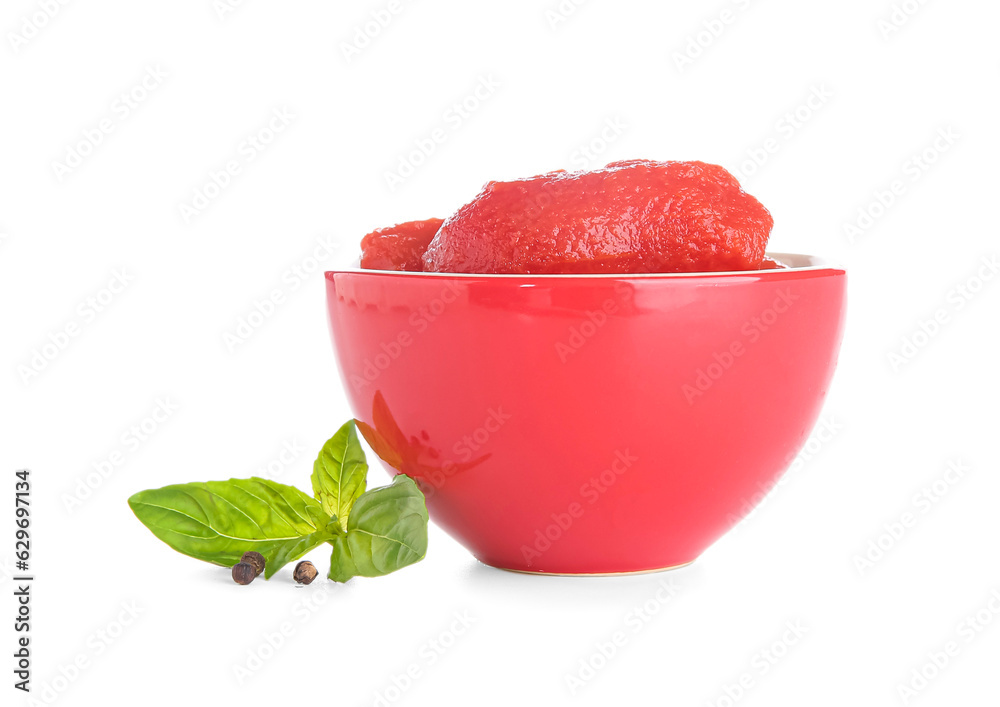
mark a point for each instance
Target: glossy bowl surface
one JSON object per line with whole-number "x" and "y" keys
{"x": 588, "y": 424}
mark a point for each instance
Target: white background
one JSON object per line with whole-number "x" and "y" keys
{"x": 881, "y": 96}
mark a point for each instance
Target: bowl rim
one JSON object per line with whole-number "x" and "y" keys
{"x": 795, "y": 263}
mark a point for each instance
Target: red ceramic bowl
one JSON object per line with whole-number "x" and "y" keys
{"x": 588, "y": 424}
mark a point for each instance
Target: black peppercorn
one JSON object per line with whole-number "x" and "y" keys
{"x": 255, "y": 559}
{"x": 305, "y": 572}
{"x": 243, "y": 573}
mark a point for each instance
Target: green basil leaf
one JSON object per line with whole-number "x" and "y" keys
{"x": 387, "y": 530}
{"x": 217, "y": 521}
{"x": 339, "y": 473}
{"x": 292, "y": 550}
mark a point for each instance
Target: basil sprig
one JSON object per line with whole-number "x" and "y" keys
{"x": 372, "y": 532}
{"x": 387, "y": 530}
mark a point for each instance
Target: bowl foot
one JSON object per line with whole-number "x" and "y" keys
{"x": 591, "y": 574}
